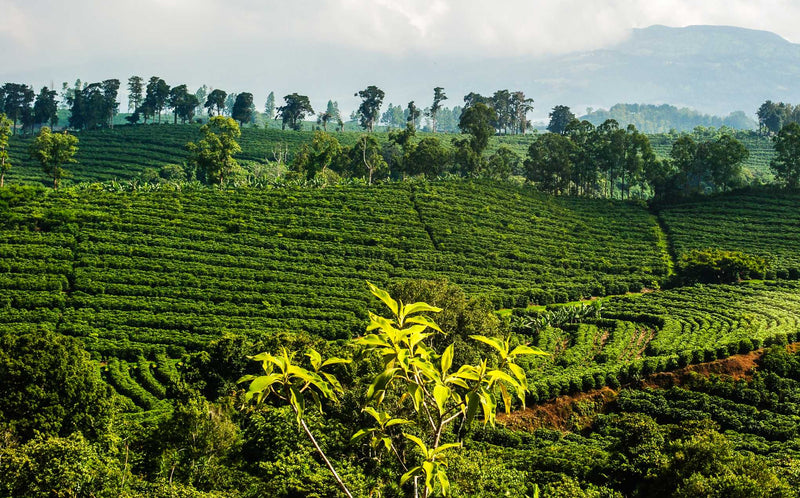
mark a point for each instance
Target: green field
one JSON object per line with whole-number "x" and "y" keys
{"x": 144, "y": 272}
{"x": 150, "y": 274}
{"x": 764, "y": 223}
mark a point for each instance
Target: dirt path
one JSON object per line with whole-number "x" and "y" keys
{"x": 574, "y": 411}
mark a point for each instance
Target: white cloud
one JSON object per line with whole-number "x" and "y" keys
{"x": 55, "y": 29}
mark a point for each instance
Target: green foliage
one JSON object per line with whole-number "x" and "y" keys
{"x": 50, "y": 387}
{"x": 213, "y": 153}
{"x": 719, "y": 266}
{"x": 5, "y": 134}
{"x": 53, "y": 151}
{"x": 53, "y": 466}
{"x": 786, "y": 164}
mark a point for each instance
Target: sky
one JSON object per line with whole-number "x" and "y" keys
{"x": 328, "y": 49}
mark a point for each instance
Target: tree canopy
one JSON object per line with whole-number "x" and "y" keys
{"x": 213, "y": 153}
{"x": 53, "y": 151}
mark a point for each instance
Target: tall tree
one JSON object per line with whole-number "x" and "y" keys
{"x": 201, "y": 94}
{"x": 294, "y": 110}
{"x": 216, "y": 102}
{"x": 473, "y": 98}
{"x": 477, "y": 121}
{"x": 5, "y": 134}
{"x": 323, "y": 118}
{"x": 182, "y": 103}
{"x": 333, "y": 109}
{"x": 610, "y": 152}
{"x": 156, "y": 96}
{"x": 53, "y": 151}
{"x": 520, "y": 107}
{"x": 213, "y": 153}
{"x": 560, "y": 117}
{"x": 243, "y": 108}
{"x": 367, "y": 154}
{"x": 230, "y": 100}
{"x": 370, "y": 108}
{"x": 45, "y": 109}
{"x": 433, "y": 112}
{"x": 549, "y": 163}
{"x": 89, "y": 107}
{"x": 16, "y": 98}
{"x": 413, "y": 114}
{"x": 725, "y": 158}
{"x": 269, "y": 107}
{"x": 135, "y": 92}
{"x": 110, "y": 104}
{"x": 501, "y": 103}
{"x": 786, "y": 163}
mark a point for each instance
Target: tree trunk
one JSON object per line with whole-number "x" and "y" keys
{"x": 325, "y": 458}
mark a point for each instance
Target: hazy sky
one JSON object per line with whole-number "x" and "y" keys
{"x": 325, "y": 47}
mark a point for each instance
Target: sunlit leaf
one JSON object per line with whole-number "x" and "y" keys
{"x": 384, "y": 296}
{"x": 441, "y": 394}
{"x": 423, "y": 320}
{"x": 447, "y": 359}
{"x": 522, "y": 349}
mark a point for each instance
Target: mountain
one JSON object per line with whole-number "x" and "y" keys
{"x": 714, "y": 69}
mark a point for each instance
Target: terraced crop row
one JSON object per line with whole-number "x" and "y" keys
{"x": 763, "y": 223}
{"x": 660, "y": 331}
{"x": 142, "y": 274}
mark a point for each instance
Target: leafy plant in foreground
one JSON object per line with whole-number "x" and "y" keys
{"x": 423, "y": 383}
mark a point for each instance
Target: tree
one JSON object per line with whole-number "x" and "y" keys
{"x": 501, "y": 103}
{"x": 230, "y": 100}
{"x": 183, "y": 103}
{"x": 156, "y": 95}
{"x": 213, "y": 153}
{"x": 786, "y": 163}
{"x": 90, "y": 107}
{"x": 16, "y": 101}
{"x": 45, "y": 109}
{"x": 135, "y": 92}
{"x": 216, "y": 101}
{"x": 5, "y": 134}
{"x": 201, "y": 95}
{"x": 724, "y": 158}
{"x": 438, "y": 98}
{"x": 269, "y": 106}
{"x": 319, "y": 156}
{"x": 243, "y": 108}
{"x": 51, "y": 386}
{"x": 294, "y": 111}
{"x": 413, "y": 113}
{"x": 520, "y": 107}
{"x": 367, "y": 151}
{"x": 53, "y": 150}
{"x": 427, "y": 158}
{"x": 110, "y": 104}
{"x": 476, "y": 120}
{"x": 549, "y": 162}
{"x": 771, "y": 116}
{"x": 560, "y": 117}
{"x": 370, "y": 108}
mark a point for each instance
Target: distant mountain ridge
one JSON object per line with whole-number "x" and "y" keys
{"x": 713, "y": 69}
